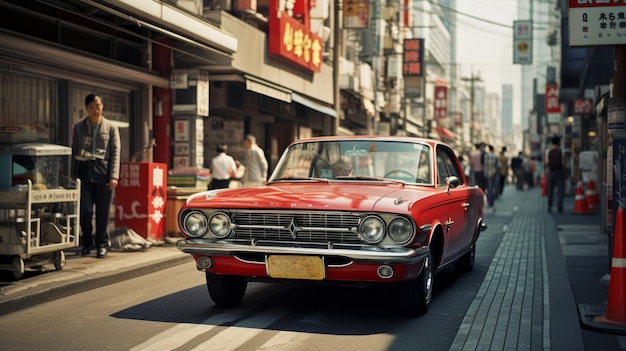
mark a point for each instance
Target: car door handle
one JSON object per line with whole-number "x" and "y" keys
{"x": 466, "y": 205}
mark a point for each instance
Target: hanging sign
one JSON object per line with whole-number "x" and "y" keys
{"x": 597, "y": 22}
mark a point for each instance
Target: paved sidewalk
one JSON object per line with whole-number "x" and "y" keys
{"x": 526, "y": 301}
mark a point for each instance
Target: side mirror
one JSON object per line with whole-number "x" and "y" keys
{"x": 452, "y": 182}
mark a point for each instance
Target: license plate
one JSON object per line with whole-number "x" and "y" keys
{"x": 295, "y": 267}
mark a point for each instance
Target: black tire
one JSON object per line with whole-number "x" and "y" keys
{"x": 415, "y": 294}
{"x": 466, "y": 262}
{"x": 18, "y": 267}
{"x": 226, "y": 290}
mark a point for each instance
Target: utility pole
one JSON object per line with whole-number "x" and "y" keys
{"x": 338, "y": 38}
{"x": 472, "y": 79}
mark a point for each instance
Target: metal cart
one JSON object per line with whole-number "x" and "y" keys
{"x": 38, "y": 218}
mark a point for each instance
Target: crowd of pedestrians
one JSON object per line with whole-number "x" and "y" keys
{"x": 491, "y": 171}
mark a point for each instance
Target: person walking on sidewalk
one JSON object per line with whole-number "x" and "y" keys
{"x": 491, "y": 167}
{"x": 476, "y": 163}
{"x": 255, "y": 164}
{"x": 223, "y": 168}
{"x": 504, "y": 170}
{"x": 96, "y": 153}
{"x": 518, "y": 170}
{"x": 556, "y": 171}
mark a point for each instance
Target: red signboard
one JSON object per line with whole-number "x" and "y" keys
{"x": 441, "y": 101}
{"x": 140, "y": 198}
{"x": 413, "y": 57}
{"x": 596, "y": 3}
{"x": 583, "y": 106}
{"x": 552, "y": 99}
{"x": 293, "y": 40}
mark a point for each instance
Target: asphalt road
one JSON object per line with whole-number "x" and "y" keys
{"x": 171, "y": 309}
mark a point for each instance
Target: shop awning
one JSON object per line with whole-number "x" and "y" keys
{"x": 313, "y": 105}
{"x": 445, "y": 133}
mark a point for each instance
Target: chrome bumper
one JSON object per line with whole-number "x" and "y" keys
{"x": 357, "y": 253}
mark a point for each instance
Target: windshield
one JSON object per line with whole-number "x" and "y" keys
{"x": 393, "y": 160}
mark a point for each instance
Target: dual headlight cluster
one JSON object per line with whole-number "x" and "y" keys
{"x": 372, "y": 228}
{"x": 196, "y": 224}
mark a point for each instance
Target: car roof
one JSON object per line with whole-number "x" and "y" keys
{"x": 431, "y": 142}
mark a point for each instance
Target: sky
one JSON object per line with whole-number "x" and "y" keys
{"x": 485, "y": 45}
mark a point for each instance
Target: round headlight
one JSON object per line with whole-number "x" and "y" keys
{"x": 195, "y": 224}
{"x": 219, "y": 224}
{"x": 400, "y": 230}
{"x": 372, "y": 229}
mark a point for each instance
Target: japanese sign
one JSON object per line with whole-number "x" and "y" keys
{"x": 292, "y": 40}
{"x": 441, "y": 101}
{"x": 413, "y": 57}
{"x": 597, "y": 22}
{"x": 523, "y": 42}
{"x": 413, "y": 67}
{"x": 356, "y": 14}
{"x": 202, "y": 95}
{"x": 583, "y": 106}
{"x": 553, "y": 107}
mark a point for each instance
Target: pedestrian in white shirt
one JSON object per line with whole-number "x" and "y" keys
{"x": 223, "y": 168}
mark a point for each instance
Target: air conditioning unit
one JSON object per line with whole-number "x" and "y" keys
{"x": 347, "y": 82}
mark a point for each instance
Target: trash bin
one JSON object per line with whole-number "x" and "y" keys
{"x": 140, "y": 198}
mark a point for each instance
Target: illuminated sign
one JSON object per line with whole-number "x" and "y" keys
{"x": 413, "y": 57}
{"x": 293, "y": 40}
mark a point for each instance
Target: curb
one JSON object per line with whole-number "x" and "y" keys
{"x": 29, "y": 298}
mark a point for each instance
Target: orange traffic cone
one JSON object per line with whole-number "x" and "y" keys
{"x": 616, "y": 306}
{"x": 544, "y": 185}
{"x": 592, "y": 195}
{"x": 580, "y": 201}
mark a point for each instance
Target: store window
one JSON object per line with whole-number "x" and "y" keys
{"x": 116, "y": 108}
{"x": 28, "y": 106}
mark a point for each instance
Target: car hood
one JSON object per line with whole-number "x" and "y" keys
{"x": 340, "y": 196}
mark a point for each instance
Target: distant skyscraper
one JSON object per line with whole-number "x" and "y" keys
{"x": 507, "y": 109}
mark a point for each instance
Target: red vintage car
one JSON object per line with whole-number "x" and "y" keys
{"x": 361, "y": 209}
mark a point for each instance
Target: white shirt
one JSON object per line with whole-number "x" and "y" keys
{"x": 222, "y": 165}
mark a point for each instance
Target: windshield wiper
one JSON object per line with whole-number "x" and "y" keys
{"x": 379, "y": 179}
{"x": 309, "y": 179}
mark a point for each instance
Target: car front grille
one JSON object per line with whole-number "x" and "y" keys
{"x": 314, "y": 227}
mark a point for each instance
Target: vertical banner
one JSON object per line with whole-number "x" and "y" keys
{"x": 202, "y": 94}
{"x": 356, "y": 14}
{"x": 553, "y": 107}
{"x": 413, "y": 67}
{"x": 441, "y": 101}
{"x": 523, "y": 42}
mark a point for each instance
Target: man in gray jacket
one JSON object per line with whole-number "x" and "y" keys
{"x": 96, "y": 152}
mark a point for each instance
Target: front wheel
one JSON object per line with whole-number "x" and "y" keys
{"x": 226, "y": 290}
{"x": 415, "y": 294}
